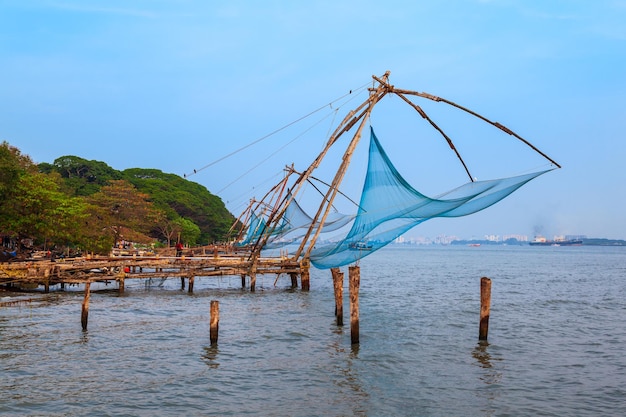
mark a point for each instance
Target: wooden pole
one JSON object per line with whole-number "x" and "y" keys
{"x": 120, "y": 281}
{"x": 338, "y": 286}
{"x": 485, "y": 305}
{"x": 215, "y": 321}
{"x": 354, "y": 274}
{"x": 306, "y": 280}
{"x": 46, "y": 274}
{"x": 182, "y": 283}
{"x": 294, "y": 280}
{"x": 243, "y": 280}
{"x": 84, "y": 316}
{"x": 191, "y": 279}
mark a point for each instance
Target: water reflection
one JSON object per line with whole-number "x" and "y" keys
{"x": 210, "y": 356}
{"x": 348, "y": 380}
{"x": 491, "y": 377}
{"x": 481, "y": 353}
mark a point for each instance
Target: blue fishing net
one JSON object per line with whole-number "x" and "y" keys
{"x": 389, "y": 207}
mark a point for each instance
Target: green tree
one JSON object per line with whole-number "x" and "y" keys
{"x": 178, "y": 197}
{"x": 189, "y": 231}
{"x": 123, "y": 213}
{"x": 82, "y": 176}
{"x": 12, "y": 166}
{"x": 39, "y": 210}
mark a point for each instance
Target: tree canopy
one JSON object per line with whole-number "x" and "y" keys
{"x": 78, "y": 202}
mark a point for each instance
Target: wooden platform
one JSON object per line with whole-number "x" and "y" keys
{"x": 47, "y": 272}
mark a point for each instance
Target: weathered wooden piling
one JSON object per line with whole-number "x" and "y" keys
{"x": 305, "y": 279}
{"x": 120, "y": 282}
{"x": 294, "y": 279}
{"x": 354, "y": 274}
{"x": 182, "y": 283}
{"x": 485, "y": 305}
{"x": 338, "y": 286}
{"x": 243, "y": 280}
{"x": 84, "y": 316}
{"x": 46, "y": 275}
{"x": 191, "y": 279}
{"x": 252, "y": 281}
{"x": 215, "y": 321}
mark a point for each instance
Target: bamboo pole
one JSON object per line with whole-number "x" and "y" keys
{"x": 354, "y": 273}
{"x": 306, "y": 281}
{"x": 215, "y": 321}
{"x": 485, "y": 305}
{"x": 84, "y": 316}
{"x": 46, "y": 274}
{"x": 338, "y": 286}
{"x": 120, "y": 281}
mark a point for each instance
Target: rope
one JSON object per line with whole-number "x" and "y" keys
{"x": 195, "y": 171}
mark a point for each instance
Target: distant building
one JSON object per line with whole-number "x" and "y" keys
{"x": 519, "y": 238}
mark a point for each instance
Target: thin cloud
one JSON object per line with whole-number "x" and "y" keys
{"x": 82, "y": 8}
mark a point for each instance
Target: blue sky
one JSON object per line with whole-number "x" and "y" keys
{"x": 177, "y": 85}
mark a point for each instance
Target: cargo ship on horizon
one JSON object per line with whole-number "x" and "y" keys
{"x": 542, "y": 241}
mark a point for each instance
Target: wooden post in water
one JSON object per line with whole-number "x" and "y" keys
{"x": 338, "y": 286}
{"x": 305, "y": 280}
{"x": 46, "y": 275}
{"x": 120, "y": 281}
{"x": 182, "y": 283}
{"x": 252, "y": 281}
{"x": 215, "y": 321}
{"x": 84, "y": 315}
{"x": 485, "y": 305}
{"x": 243, "y": 280}
{"x": 191, "y": 279}
{"x": 354, "y": 275}
{"x": 294, "y": 280}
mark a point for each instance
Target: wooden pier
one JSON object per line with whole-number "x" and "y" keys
{"x": 47, "y": 272}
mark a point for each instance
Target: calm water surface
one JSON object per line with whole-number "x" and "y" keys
{"x": 556, "y": 347}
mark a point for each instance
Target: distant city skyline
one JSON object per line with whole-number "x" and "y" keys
{"x": 447, "y": 239}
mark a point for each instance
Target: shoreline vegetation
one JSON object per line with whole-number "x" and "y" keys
{"x": 74, "y": 205}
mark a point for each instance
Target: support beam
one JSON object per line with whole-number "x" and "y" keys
{"x": 84, "y": 316}
{"x": 354, "y": 273}
{"x": 485, "y": 306}
{"x": 215, "y": 321}
{"x": 338, "y": 286}
{"x": 120, "y": 281}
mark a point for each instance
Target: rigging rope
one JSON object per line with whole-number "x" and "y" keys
{"x": 195, "y": 171}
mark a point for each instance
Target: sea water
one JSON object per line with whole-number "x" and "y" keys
{"x": 556, "y": 345}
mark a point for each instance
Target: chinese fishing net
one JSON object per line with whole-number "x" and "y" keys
{"x": 388, "y": 207}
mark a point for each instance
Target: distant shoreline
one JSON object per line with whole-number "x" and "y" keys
{"x": 586, "y": 242}
{"x": 511, "y": 242}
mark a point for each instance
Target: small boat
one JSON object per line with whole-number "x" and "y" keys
{"x": 359, "y": 246}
